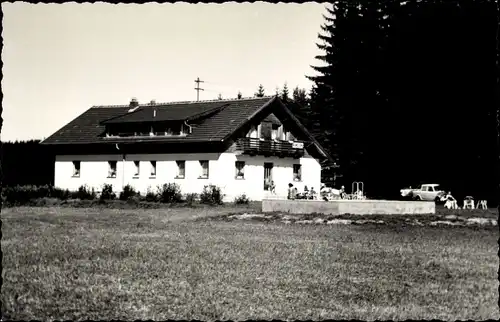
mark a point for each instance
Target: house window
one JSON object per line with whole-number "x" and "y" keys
{"x": 76, "y": 168}
{"x": 153, "y": 168}
{"x": 181, "y": 169}
{"x": 297, "y": 172}
{"x": 137, "y": 166}
{"x": 204, "y": 169}
{"x": 111, "y": 169}
{"x": 240, "y": 169}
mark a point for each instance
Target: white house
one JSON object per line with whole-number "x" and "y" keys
{"x": 239, "y": 145}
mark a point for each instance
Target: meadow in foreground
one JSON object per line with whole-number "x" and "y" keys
{"x": 64, "y": 263}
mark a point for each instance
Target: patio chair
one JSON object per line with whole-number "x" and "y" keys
{"x": 482, "y": 204}
{"x": 468, "y": 203}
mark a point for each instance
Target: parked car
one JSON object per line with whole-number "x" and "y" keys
{"x": 426, "y": 192}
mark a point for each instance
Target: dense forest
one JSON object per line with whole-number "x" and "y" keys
{"x": 404, "y": 94}
{"x": 26, "y": 163}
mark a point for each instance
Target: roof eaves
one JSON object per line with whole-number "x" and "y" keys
{"x": 302, "y": 127}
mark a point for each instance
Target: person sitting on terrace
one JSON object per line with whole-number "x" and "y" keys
{"x": 451, "y": 202}
{"x": 304, "y": 193}
{"x": 342, "y": 193}
{"x": 312, "y": 193}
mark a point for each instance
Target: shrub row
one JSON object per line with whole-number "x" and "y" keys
{"x": 167, "y": 193}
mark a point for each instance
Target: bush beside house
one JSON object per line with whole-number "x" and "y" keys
{"x": 169, "y": 193}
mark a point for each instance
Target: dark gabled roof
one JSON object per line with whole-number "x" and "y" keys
{"x": 227, "y": 116}
{"x": 168, "y": 112}
{"x": 86, "y": 128}
{"x": 220, "y": 119}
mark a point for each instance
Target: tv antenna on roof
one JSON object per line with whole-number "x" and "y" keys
{"x": 197, "y": 88}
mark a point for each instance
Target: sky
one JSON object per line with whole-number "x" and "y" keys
{"x": 61, "y": 59}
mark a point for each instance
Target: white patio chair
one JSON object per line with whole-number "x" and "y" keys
{"x": 468, "y": 203}
{"x": 482, "y": 204}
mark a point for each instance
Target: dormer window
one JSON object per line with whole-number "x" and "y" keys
{"x": 176, "y": 130}
{"x": 147, "y": 130}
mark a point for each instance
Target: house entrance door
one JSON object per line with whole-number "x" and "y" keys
{"x": 268, "y": 175}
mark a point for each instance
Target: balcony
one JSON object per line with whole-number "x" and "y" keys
{"x": 281, "y": 149}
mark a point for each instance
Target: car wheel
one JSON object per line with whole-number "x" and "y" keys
{"x": 418, "y": 198}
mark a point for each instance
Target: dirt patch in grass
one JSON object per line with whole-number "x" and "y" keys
{"x": 78, "y": 264}
{"x": 442, "y": 217}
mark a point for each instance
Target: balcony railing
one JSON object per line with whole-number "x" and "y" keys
{"x": 254, "y": 146}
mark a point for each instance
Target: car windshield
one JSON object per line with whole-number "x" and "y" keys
{"x": 437, "y": 188}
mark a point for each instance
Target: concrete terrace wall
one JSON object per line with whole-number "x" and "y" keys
{"x": 358, "y": 207}
{"x": 222, "y": 173}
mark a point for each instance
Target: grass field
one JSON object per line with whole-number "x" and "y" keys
{"x": 65, "y": 263}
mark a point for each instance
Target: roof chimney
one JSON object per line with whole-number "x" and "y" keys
{"x": 134, "y": 102}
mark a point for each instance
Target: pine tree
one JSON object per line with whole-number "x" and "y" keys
{"x": 219, "y": 97}
{"x": 299, "y": 105}
{"x": 347, "y": 90}
{"x": 260, "y": 91}
{"x": 326, "y": 104}
{"x": 239, "y": 95}
{"x": 299, "y": 96}
{"x": 285, "y": 93}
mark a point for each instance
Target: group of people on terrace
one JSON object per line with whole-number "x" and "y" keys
{"x": 293, "y": 193}
{"x": 333, "y": 194}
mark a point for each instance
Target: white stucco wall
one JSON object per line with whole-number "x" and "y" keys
{"x": 222, "y": 172}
